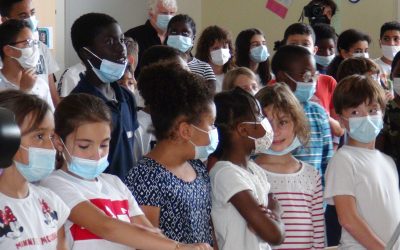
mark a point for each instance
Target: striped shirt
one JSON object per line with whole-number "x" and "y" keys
{"x": 301, "y": 198}
{"x": 319, "y": 149}
{"x": 201, "y": 68}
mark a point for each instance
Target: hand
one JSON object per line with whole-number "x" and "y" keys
{"x": 198, "y": 246}
{"x": 28, "y": 79}
{"x": 389, "y": 95}
{"x": 274, "y": 205}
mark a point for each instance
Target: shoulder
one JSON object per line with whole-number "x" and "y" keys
{"x": 315, "y": 109}
{"x": 137, "y": 31}
{"x": 327, "y": 80}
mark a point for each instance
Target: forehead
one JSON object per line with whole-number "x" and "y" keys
{"x": 162, "y": 8}
{"x": 244, "y": 79}
{"x": 257, "y": 38}
{"x": 391, "y": 33}
{"x": 181, "y": 25}
{"x": 24, "y": 34}
{"x": 24, "y": 6}
{"x": 360, "y": 44}
{"x": 300, "y": 38}
{"x": 112, "y": 30}
{"x": 326, "y": 42}
{"x": 302, "y": 63}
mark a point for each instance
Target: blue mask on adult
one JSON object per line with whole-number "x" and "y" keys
{"x": 162, "y": 21}
{"x": 181, "y": 43}
{"x": 109, "y": 71}
{"x": 295, "y": 144}
{"x": 259, "y": 54}
{"x": 202, "y": 152}
{"x": 304, "y": 90}
{"x": 41, "y": 163}
{"x": 366, "y": 128}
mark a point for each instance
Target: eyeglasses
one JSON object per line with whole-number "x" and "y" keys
{"x": 29, "y": 43}
{"x": 308, "y": 76}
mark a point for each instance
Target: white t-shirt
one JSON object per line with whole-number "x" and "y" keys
{"x": 69, "y": 79}
{"x": 384, "y": 66}
{"x": 300, "y": 195}
{"x": 218, "y": 83}
{"x": 47, "y": 64}
{"x": 41, "y": 89}
{"x": 144, "y": 139}
{"x": 371, "y": 177}
{"x": 228, "y": 179}
{"x": 32, "y": 222}
{"x": 108, "y": 193}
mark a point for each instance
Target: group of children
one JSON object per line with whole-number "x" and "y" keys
{"x": 228, "y": 149}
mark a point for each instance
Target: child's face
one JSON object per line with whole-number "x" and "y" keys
{"x": 390, "y": 38}
{"x": 364, "y": 109}
{"x": 358, "y": 47}
{"x": 283, "y": 127}
{"x": 257, "y": 40}
{"x": 326, "y": 47}
{"x": 247, "y": 83}
{"x": 89, "y": 141}
{"x": 302, "y": 70}
{"x": 40, "y": 137}
{"x": 302, "y": 40}
{"x": 23, "y": 40}
{"x": 207, "y": 120}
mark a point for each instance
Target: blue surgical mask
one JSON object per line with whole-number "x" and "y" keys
{"x": 41, "y": 164}
{"x": 181, "y": 43}
{"x": 366, "y": 128}
{"x": 259, "y": 54}
{"x": 304, "y": 90}
{"x": 109, "y": 71}
{"x": 162, "y": 21}
{"x": 202, "y": 152}
{"x": 295, "y": 144}
{"x": 324, "y": 60}
{"x": 33, "y": 22}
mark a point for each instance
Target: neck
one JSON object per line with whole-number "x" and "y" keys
{"x": 218, "y": 70}
{"x": 253, "y": 66}
{"x": 385, "y": 60}
{"x": 104, "y": 88}
{"x": 170, "y": 153}
{"x": 12, "y": 71}
{"x": 237, "y": 154}
{"x": 13, "y": 184}
{"x": 161, "y": 33}
{"x": 354, "y": 143}
{"x": 282, "y": 164}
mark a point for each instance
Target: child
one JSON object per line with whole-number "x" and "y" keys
{"x": 128, "y": 79}
{"x": 99, "y": 42}
{"x": 215, "y": 48}
{"x": 295, "y": 66}
{"x": 252, "y": 52}
{"x": 389, "y": 41}
{"x": 325, "y": 40}
{"x": 181, "y": 32}
{"x": 361, "y": 181}
{"x": 350, "y": 43}
{"x": 241, "y": 77}
{"x": 240, "y": 211}
{"x": 20, "y": 54}
{"x": 30, "y": 215}
{"x": 104, "y": 214}
{"x": 296, "y": 184}
{"x": 170, "y": 184}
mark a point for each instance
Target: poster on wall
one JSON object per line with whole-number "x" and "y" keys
{"x": 46, "y": 36}
{"x": 279, "y": 7}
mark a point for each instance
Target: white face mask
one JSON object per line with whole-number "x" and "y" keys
{"x": 364, "y": 55}
{"x": 390, "y": 51}
{"x": 263, "y": 143}
{"x": 29, "y": 56}
{"x": 396, "y": 85}
{"x": 220, "y": 56}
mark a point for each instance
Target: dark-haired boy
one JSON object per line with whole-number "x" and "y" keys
{"x": 100, "y": 44}
{"x": 361, "y": 181}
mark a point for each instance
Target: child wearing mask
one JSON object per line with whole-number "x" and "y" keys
{"x": 20, "y": 55}
{"x": 389, "y": 138}
{"x": 389, "y": 41}
{"x": 325, "y": 40}
{"x": 215, "y": 48}
{"x": 241, "y": 77}
{"x": 170, "y": 184}
{"x": 350, "y": 43}
{"x": 251, "y": 52}
{"x": 296, "y": 184}
{"x": 181, "y": 33}
{"x": 244, "y": 215}
{"x": 295, "y": 66}
{"x": 100, "y": 44}
{"x": 104, "y": 214}
{"x": 29, "y": 213}
{"x": 361, "y": 181}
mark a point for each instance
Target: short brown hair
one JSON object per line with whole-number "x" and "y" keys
{"x": 231, "y": 76}
{"x": 283, "y": 100}
{"x": 355, "y": 90}
{"x": 356, "y": 65}
{"x": 22, "y": 105}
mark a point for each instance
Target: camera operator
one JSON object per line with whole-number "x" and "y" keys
{"x": 320, "y": 11}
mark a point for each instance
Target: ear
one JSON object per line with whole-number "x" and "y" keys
{"x": 341, "y": 121}
{"x": 185, "y": 130}
{"x": 380, "y": 43}
{"x": 10, "y": 52}
{"x": 131, "y": 59}
{"x": 344, "y": 53}
{"x": 315, "y": 50}
{"x": 241, "y": 129}
{"x": 59, "y": 146}
{"x": 280, "y": 76}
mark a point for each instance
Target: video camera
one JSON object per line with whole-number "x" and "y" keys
{"x": 10, "y": 137}
{"x": 315, "y": 14}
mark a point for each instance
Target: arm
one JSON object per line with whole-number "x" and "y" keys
{"x": 327, "y": 148}
{"x": 93, "y": 219}
{"x": 61, "y": 243}
{"x": 337, "y": 130}
{"x": 350, "y": 219}
{"x": 152, "y": 214}
{"x": 268, "y": 229}
{"x": 317, "y": 215}
{"x": 53, "y": 90}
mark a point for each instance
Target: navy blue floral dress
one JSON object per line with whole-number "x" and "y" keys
{"x": 185, "y": 207}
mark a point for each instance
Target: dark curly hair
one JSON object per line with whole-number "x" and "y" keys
{"x": 172, "y": 92}
{"x": 242, "y": 48}
{"x": 209, "y": 36}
